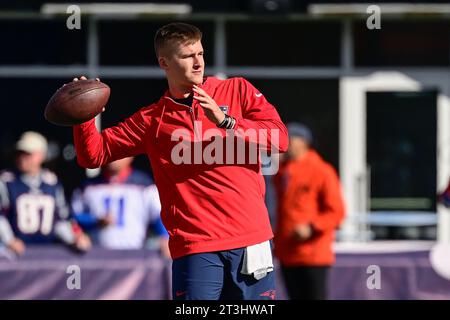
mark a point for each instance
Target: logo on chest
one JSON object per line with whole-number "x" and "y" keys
{"x": 224, "y": 109}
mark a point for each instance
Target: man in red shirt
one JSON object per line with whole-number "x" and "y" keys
{"x": 203, "y": 138}
{"x": 310, "y": 209}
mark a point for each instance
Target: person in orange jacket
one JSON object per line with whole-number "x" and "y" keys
{"x": 310, "y": 208}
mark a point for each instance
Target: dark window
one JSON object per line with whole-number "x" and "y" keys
{"x": 41, "y": 42}
{"x": 410, "y": 43}
{"x": 283, "y": 43}
{"x": 401, "y": 150}
{"x": 131, "y": 42}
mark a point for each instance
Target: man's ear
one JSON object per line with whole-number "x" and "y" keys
{"x": 162, "y": 61}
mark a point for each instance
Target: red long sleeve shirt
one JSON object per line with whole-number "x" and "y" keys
{"x": 206, "y": 206}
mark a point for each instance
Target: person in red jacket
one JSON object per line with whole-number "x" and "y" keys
{"x": 310, "y": 209}
{"x": 202, "y": 138}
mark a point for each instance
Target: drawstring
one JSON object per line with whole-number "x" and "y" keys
{"x": 160, "y": 120}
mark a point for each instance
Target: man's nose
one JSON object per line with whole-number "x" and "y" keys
{"x": 197, "y": 62}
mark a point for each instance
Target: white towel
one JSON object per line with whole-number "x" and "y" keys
{"x": 258, "y": 260}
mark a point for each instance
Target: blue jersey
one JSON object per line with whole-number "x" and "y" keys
{"x": 33, "y": 206}
{"x": 133, "y": 203}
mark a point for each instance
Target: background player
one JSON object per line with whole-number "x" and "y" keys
{"x": 310, "y": 209}
{"x": 32, "y": 201}
{"x": 119, "y": 207}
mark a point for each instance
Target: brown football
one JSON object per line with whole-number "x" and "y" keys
{"x": 77, "y": 102}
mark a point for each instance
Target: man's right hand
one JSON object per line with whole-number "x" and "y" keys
{"x": 302, "y": 232}
{"x": 83, "y": 242}
{"x": 17, "y": 246}
{"x": 106, "y": 221}
{"x": 84, "y": 78}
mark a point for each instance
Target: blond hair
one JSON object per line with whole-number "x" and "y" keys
{"x": 175, "y": 33}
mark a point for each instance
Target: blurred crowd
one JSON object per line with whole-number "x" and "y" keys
{"x": 118, "y": 209}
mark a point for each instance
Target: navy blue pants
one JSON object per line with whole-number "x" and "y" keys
{"x": 216, "y": 275}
